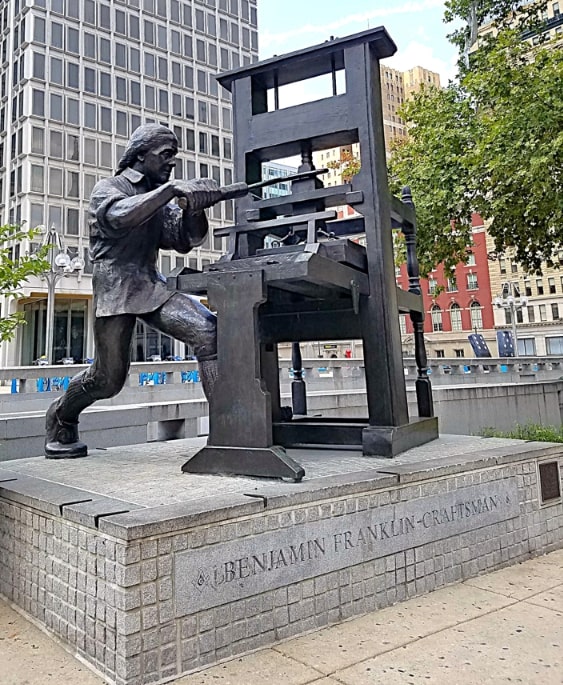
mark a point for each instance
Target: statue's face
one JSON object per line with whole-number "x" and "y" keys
{"x": 159, "y": 161}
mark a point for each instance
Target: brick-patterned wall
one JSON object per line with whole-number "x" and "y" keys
{"x": 113, "y": 600}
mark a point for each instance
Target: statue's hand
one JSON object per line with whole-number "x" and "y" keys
{"x": 197, "y": 194}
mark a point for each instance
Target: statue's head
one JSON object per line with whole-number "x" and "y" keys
{"x": 151, "y": 150}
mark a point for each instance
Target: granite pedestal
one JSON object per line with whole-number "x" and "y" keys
{"x": 147, "y": 573}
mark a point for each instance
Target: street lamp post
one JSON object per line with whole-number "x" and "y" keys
{"x": 511, "y": 300}
{"x": 60, "y": 265}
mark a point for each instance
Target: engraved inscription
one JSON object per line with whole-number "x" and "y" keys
{"x": 240, "y": 568}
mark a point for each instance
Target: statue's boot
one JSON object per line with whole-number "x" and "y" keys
{"x": 208, "y": 373}
{"x": 61, "y": 422}
{"x": 61, "y": 437}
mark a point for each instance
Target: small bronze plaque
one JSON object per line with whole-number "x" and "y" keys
{"x": 550, "y": 481}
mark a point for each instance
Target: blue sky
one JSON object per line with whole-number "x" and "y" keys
{"x": 416, "y": 26}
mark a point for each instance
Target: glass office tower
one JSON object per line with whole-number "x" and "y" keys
{"x": 76, "y": 78}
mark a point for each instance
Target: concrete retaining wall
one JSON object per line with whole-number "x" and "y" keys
{"x": 462, "y": 410}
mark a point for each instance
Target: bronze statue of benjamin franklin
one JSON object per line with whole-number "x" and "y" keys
{"x": 131, "y": 218}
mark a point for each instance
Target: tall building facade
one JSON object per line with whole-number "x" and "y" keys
{"x": 77, "y": 77}
{"x": 456, "y": 306}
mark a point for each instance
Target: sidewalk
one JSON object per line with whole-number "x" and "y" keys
{"x": 504, "y": 627}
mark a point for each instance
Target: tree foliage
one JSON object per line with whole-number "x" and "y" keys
{"x": 348, "y": 164}
{"x": 13, "y": 273}
{"x": 491, "y": 143}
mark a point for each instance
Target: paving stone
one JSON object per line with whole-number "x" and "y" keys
{"x": 520, "y": 581}
{"x": 265, "y": 667}
{"x": 367, "y": 636}
{"x": 520, "y": 643}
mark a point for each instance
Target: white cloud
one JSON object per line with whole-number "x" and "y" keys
{"x": 269, "y": 41}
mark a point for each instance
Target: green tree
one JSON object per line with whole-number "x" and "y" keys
{"x": 13, "y": 273}
{"x": 492, "y": 143}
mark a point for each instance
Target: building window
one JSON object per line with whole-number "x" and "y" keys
{"x": 120, "y": 22}
{"x": 72, "y": 147}
{"x": 90, "y": 117}
{"x": 106, "y": 158}
{"x": 38, "y": 102}
{"x": 56, "y": 35}
{"x": 551, "y": 285}
{"x": 134, "y": 27}
{"x": 472, "y": 282}
{"x": 72, "y": 221}
{"x": 134, "y": 60}
{"x": 432, "y": 285}
{"x": 105, "y": 84}
{"x": 37, "y": 140}
{"x": 528, "y": 288}
{"x": 455, "y": 316}
{"x": 476, "y": 315}
{"x": 72, "y": 41}
{"x": 90, "y": 152}
{"x": 89, "y": 183}
{"x": 72, "y": 76}
{"x": 527, "y": 347}
{"x": 55, "y": 181}
{"x": 531, "y": 315}
{"x": 202, "y": 111}
{"x": 471, "y": 259}
{"x": 452, "y": 285}
{"x": 90, "y": 45}
{"x": 554, "y": 345}
{"x": 539, "y": 286}
{"x": 135, "y": 93}
{"x": 203, "y": 142}
{"x": 105, "y": 50}
{"x": 36, "y": 178}
{"x": 121, "y": 55}
{"x": 39, "y": 30}
{"x": 514, "y": 267}
{"x": 459, "y": 353}
{"x": 104, "y": 17}
{"x": 150, "y": 97}
{"x": 39, "y": 66}
{"x": 436, "y": 314}
{"x": 502, "y": 265}
{"x": 56, "y": 144}
{"x": 120, "y": 89}
{"x": 72, "y": 184}
{"x": 555, "y": 312}
{"x": 163, "y": 101}
{"x": 543, "y": 312}
{"x": 440, "y": 354}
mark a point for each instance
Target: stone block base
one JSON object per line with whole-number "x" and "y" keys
{"x": 147, "y": 593}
